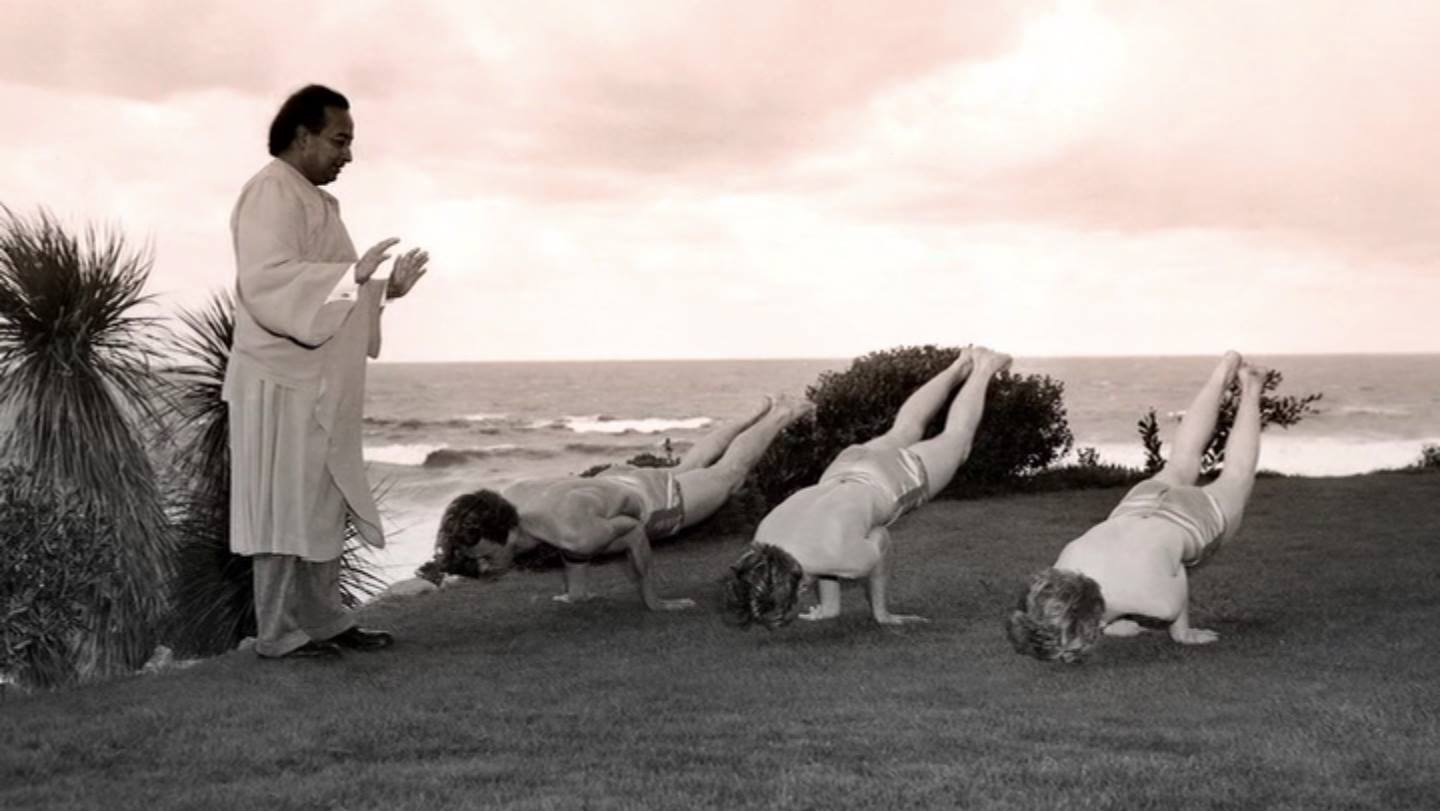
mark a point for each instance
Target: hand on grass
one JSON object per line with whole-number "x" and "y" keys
{"x": 899, "y": 619}
{"x": 816, "y": 613}
{"x": 1123, "y": 628}
{"x": 1193, "y": 636}
{"x": 679, "y": 604}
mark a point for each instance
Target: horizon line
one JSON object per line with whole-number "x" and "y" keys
{"x": 824, "y": 358}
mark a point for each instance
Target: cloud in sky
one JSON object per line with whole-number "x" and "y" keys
{"x": 711, "y": 180}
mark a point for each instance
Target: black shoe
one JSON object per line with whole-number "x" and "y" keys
{"x": 357, "y": 638}
{"x": 312, "y": 650}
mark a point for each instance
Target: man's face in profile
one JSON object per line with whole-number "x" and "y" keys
{"x": 323, "y": 154}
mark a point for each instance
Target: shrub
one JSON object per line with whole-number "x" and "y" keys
{"x": 59, "y": 556}
{"x": 1087, "y": 457}
{"x": 1281, "y": 411}
{"x": 79, "y": 392}
{"x": 1429, "y": 458}
{"x": 642, "y": 459}
{"x": 1024, "y": 429}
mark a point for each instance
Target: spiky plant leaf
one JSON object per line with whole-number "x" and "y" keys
{"x": 78, "y": 392}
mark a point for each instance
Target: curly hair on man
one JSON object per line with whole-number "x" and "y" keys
{"x": 483, "y": 515}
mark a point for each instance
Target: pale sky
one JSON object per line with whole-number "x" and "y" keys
{"x": 726, "y": 179}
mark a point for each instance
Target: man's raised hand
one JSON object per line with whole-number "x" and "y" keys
{"x": 370, "y": 262}
{"x": 409, "y": 267}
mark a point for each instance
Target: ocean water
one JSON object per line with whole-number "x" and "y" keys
{"x": 433, "y": 431}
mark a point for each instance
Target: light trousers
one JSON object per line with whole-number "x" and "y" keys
{"x": 296, "y": 601}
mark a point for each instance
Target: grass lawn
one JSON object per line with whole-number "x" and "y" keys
{"x": 1323, "y": 692}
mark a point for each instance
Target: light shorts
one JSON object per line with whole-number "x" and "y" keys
{"x": 1188, "y": 507}
{"x": 660, "y": 491}
{"x": 898, "y": 473}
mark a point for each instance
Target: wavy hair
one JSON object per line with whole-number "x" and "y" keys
{"x": 483, "y": 515}
{"x": 1057, "y": 616}
{"x": 762, "y": 588}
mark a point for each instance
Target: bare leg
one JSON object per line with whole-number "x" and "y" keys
{"x": 1242, "y": 451}
{"x": 707, "y": 488}
{"x": 1198, "y": 425}
{"x": 829, "y": 606}
{"x": 709, "y": 447}
{"x": 921, "y": 405}
{"x": 943, "y": 454}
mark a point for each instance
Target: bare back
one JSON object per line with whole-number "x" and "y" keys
{"x": 827, "y": 528}
{"x": 1137, "y": 563}
{"x": 571, "y": 513}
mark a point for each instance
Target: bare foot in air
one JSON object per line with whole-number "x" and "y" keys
{"x": 794, "y": 407}
{"x": 1252, "y": 377}
{"x": 965, "y": 362}
{"x": 766, "y": 403}
{"x": 990, "y": 362}
{"x": 1231, "y": 363}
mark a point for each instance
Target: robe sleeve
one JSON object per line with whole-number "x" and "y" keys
{"x": 284, "y": 293}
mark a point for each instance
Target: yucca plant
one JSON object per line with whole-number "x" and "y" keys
{"x": 213, "y": 588}
{"x": 78, "y": 388}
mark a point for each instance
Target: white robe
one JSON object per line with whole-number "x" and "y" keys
{"x": 295, "y": 384}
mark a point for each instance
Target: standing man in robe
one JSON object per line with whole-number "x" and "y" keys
{"x": 307, "y": 316}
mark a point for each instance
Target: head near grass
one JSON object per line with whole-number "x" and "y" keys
{"x": 762, "y": 588}
{"x": 1057, "y": 617}
{"x": 473, "y": 540}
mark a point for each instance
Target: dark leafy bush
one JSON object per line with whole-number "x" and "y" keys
{"x": 59, "y": 555}
{"x": 1087, "y": 457}
{"x": 642, "y": 459}
{"x": 79, "y": 393}
{"x": 1149, "y": 427}
{"x": 1429, "y": 458}
{"x": 1278, "y": 411}
{"x": 1024, "y": 429}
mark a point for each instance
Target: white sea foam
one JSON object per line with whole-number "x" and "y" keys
{"x": 415, "y": 455}
{"x": 484, "y": 417}
{"x": 1367, "y": 411}
{"x": 1300, "y": 456}
{"x": 411, "y": 455}
{"x": 644, "y": 425}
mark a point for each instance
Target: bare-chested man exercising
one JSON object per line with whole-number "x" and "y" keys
{"x": 623, "y": 508}
{"x": 1133, "y": 565}
{"x": 837, "y": 528}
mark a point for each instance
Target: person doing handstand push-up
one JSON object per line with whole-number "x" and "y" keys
{"x": 837, "y": 528}
{"x": 1133, "y": 565}
{"x": 623, "y": 508}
